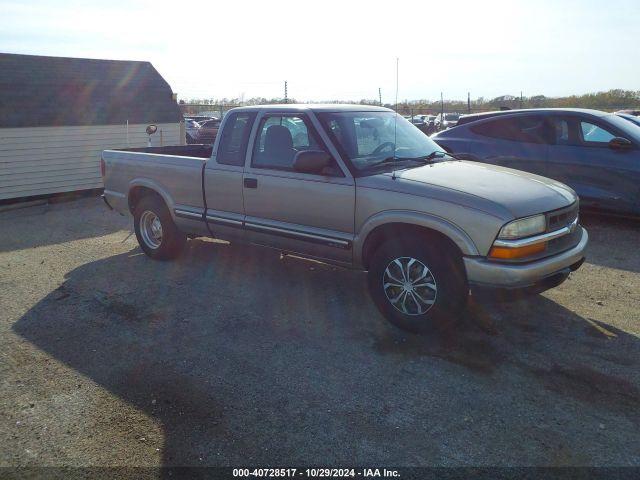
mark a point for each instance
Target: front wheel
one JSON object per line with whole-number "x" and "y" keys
{"x": 418, "y": 286}
{"x": 157, "y": 235}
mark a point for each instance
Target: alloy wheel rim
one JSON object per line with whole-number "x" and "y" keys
{"x": 409, "y": 286}
{"x": 151, "y": 229}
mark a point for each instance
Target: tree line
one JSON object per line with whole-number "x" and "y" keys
{"x": 616, "y": 99}
{"x": 610, "y": 100}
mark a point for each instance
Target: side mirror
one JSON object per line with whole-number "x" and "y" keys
{"x": 151, "y": 129}
{"x": 620, "y": 143}
{"x": 311, "y": 161}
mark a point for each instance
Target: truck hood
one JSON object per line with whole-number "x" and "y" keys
{"x": 520, "y": 193}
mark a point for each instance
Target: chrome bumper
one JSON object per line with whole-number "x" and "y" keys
{"x": 486, "y": 273}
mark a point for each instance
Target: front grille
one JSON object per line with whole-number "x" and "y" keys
{"x": 559, "y": 219}
{"x": 564, "y": 242}
{"x": 562, "y": 218}
{"x": 556, "y": 220}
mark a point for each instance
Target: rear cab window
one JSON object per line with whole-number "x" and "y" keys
{"x": 233, "y": 141}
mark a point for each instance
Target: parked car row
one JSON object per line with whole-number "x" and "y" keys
{"x": 444, "y": 121}
{"x": 595, "y": 153}
{"x": 207, "y": 132}
{"x": 425, "y": 123}
{"x": 430, "y": 124}
{"x": 200, "y": 129}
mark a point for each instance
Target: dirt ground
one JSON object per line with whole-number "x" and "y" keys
{"x": 232, "y": 356}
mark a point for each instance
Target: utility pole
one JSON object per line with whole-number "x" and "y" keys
{"x": 286, "y": 98}
{"x": 380, "y": 95}
{"x": 468, "y": 102}
{"x": 441, "y": 108}
{"x": 521, "y": 103}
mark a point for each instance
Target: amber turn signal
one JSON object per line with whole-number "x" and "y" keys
{"x": 506, "y": 253}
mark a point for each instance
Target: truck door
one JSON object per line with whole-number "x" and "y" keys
{"x": 296, "y": 212}
{"x": 223, "y": 177}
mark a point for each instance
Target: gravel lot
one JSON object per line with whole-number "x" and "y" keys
{"x": 233, "y": 356}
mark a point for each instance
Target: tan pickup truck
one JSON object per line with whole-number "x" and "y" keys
{"x": 359, "y": 187}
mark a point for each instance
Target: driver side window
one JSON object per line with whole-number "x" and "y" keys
{"x": 280, "y": 138}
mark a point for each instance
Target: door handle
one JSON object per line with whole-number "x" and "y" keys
{"x": 251, "y": 183}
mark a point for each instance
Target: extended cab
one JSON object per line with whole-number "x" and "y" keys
{"x": 359, "y": 187}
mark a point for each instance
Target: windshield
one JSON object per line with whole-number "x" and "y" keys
{"x": 630, "y": 129}
{"x": 451, "y": 116}
{"x": 630, "y": 118}
{"x": 370, "y": 139}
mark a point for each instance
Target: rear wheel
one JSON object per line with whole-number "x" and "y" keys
{"x": 418, "y": 286}
{"x": 157, "y": 235}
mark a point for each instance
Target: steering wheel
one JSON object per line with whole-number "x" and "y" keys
{"x": 382, "y": 146}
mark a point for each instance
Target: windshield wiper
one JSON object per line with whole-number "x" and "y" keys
{"x": 438, "y": 154}
{"x": 388, "y": 160}
{"x": 421, "y": 159}
{"x": 398, "y": 160}
{"x": 426, "y": 158}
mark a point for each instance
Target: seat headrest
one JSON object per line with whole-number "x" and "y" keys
{"x": 277, "y": 138}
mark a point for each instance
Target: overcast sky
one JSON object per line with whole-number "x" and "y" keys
{"x": 346, "y": 49}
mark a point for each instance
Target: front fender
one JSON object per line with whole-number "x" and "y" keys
{"x": 433, "y": 222}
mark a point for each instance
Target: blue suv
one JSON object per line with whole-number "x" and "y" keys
{"x": 595, "y": 153}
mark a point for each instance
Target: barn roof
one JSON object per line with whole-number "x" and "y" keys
{"x": 37, "y": 91}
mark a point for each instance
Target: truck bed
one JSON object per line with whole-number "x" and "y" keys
{"x": 175, "y": 171}
{"x": 194, "y": 150}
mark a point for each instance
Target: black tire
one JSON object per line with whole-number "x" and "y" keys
{"x": 445, "y": 268}
{"x": 172, "y": 240}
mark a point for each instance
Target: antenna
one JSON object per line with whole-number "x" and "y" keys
{"x": 397, "y": 69}
{"x": 395, "y": 123}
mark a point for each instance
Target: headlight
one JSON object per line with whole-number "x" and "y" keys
{"x": 524, "y": 227}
